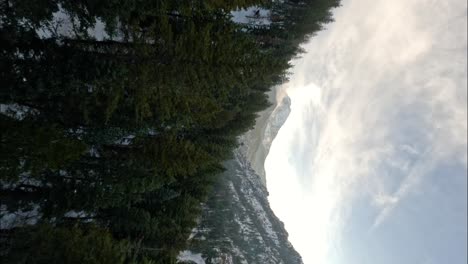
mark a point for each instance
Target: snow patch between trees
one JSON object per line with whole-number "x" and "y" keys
{"x": 252, "y": 16}
{"x": 188, "y": 255}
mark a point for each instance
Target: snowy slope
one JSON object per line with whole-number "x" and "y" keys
{"x": 238, "y": 225}
{"x": 188, "y": 256}
{"x": 257, "y": 142}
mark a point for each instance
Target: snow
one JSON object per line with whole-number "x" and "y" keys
{"x": 64, "y": 25}
{"x": 76, "y": 214}
{"x": 259, "y": 236}
{"x": 18, "y": 218}
{"x": 247, "y": 16}
{"x": 255, "y": 143}
{"x": 196, "y": 231}
{"x": 16, "y": 111}
{"x": 188, "y": 255}
{"x": 98, "y": 31}
{"x": 93, "y": 152}
{"x": 275, "y": 122}
{"x": 125, "y": 141}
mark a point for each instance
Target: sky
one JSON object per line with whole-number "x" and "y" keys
{"x": 371, "y": 165}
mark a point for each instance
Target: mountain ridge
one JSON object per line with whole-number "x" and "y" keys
{"x": 237, "y": 224}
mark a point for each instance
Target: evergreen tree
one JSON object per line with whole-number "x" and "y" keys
{"x": 114, "y": 141}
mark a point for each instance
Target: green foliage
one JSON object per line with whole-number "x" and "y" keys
{"x": 31, "y": 147}
{"x": 128, "y": 131}
{"x": 45, "y": 244}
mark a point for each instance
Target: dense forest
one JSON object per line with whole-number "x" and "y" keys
{"x": 116, "y": 117}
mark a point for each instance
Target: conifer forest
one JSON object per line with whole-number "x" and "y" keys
{"x": 116, "y": 117}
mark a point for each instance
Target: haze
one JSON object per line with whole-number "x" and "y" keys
{"x": 371, "y": 165}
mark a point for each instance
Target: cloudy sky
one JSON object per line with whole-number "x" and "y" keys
{"x": 371, "y": 165}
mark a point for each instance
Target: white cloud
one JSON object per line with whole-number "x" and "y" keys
{"x": 378, "y": 102}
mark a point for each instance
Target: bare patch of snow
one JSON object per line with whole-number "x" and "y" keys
{"x": 19, "y": 218}
{"x": 75, "y": 214}
{"x": 188, "y": 255}
{"x": 16, "y": 111}
{"x": 125, "y": 141}
{"x": 252, "y": 16}
{"x": 65, "y": 25}
{"x": 98, "y": 31}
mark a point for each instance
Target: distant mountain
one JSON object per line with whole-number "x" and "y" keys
{"x": 257, "y": 142}
{"x": 237, "y": 224}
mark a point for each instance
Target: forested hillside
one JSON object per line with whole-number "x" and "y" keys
{"x": 116, "y": 117}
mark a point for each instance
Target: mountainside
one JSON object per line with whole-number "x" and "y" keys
{"x": 119, "y": 119}
{"x": 237, "y": 224}
{"x": 257, "y": 142}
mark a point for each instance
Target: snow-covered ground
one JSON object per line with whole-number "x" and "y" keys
{"x": 188, "y": 255}
{"x": 64, "y": 24}
{"x": 16, "y": 111}
{"x": 252, "y": 16}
